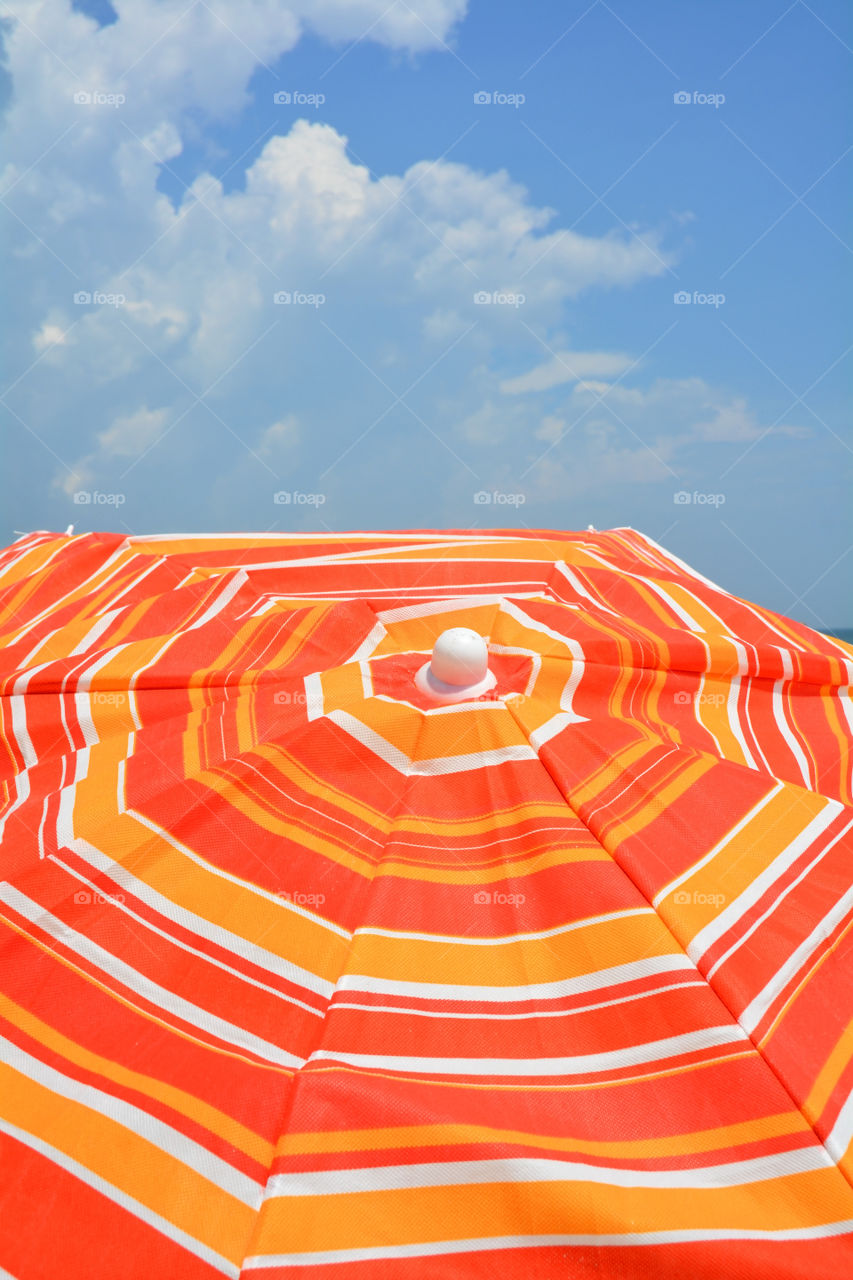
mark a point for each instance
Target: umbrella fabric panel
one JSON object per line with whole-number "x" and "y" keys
{"x": 298, "y": 973}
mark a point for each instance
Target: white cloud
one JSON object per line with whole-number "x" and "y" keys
{"x": 398, "y": 342}
{"x": 131, "y": 435}
{"x": 49, "y": 335}
{"x": 281, "y": 438}
{"x": 569, "y": 366}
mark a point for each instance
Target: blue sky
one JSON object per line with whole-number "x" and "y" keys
{"x": 147, "y": 164}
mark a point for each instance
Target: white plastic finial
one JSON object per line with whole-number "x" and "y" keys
{"x": 458, "y": 669}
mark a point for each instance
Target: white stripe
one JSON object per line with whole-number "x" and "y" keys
{"x": 242, "y": 536}
{"x": 509, "y": 939}
{"x": 134, "y": 582}
{"x": 734, "y": 722}
{"x": 483, "y": 1244}
{"x": 672, "y": 559}
{"x": 425, "y": 609}
{"x": 314, "y": 707}
{"x": 374, "y": 637}
{"x": 468, "y": 1173}
{"x": 223, "y": 598}
{"x": 160, "y": 997}
{"x": 146, "y": 1126}
{"x": 759, "y": 1005}
{"x": 583, "y": 1064}
{"x": 676, "y": 608}
{"x": 774, "y": 906}
{"x": 620, "y": 973}
{"x": 535, "y": 624}
{"x": 435, "y": 767}
{"x": 718, "y": 847}
{"x": 561, "y": 567}
{"x": 77, "y": 589}
{"x": 394, "y": 555}
{"x": 730, "y": 915}
{"x": 121, "y": 1198}
{"x": 838, "y": 1140}
{"x": 18, "y": 707}
{"x": 40, "y": 644}
{"x": 22, "y": 794}
{"x": 782, "y": 719}
{"x": 199, "y": 925}
{"x": 8, "y": 561}
{"x": 95, "y": 632}
{"x": 411, "y": 1012}
{"x": 239, "y": 947}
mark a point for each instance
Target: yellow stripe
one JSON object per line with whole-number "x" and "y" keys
{"x": 210, "y": 1117}
{"x": 129, "y": 1162}
{"x": 422, "y": 1214}
{"x": 514, "y": 962}
{"x": 452, "y": 1135}
{"x": 830, "y": 1074}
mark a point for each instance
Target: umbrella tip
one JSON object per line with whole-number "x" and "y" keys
{"x": 459, "y": 667}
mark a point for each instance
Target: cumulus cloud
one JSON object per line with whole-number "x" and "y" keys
{"x": 317, "y": 314}
{"x": 49, "y": 335}
{"x": 569, "y": 366}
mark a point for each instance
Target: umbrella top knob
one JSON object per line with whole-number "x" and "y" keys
{"x": 459, "y": 667}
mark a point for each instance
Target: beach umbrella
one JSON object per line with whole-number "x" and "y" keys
{"x": 418, "y": 904}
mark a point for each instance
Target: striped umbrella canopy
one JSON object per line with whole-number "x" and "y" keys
{"x": 307, "y": 972}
